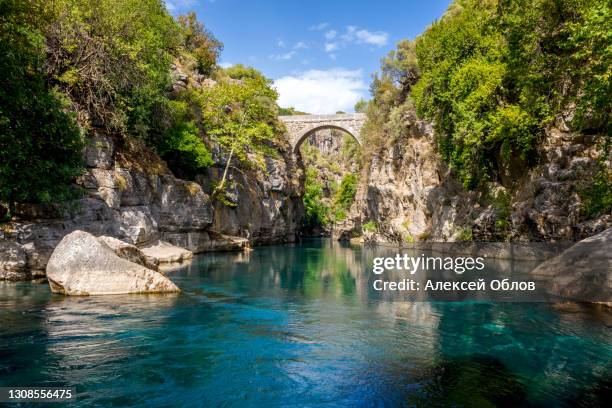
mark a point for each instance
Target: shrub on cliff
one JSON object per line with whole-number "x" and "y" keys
{"x": 111, "y": 58}
{"x": 240, "y": 115}
{"x": 40, "y": 143}
{"x": 199, "y": 43}
{"x": 345, "y": 196}
{"x": 316, "y": 212}
{"x": 492, "y": 75}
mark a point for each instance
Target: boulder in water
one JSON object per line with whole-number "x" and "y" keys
{"x": 82, "y": 264}
{"x": 582, "y": 272}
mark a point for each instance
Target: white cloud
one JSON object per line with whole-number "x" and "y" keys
{"x": 362, "y": 36}
{"x": 332, "y": 56}
{"x": 378, "y": 38}
{"x": 226, "y": 64}
{"x": 283, "y": 57}
{"x": 329, "y": 47}
{"x": 331, "y": 34}
{"x": 349, "y": 35}
{"x": 281, "y": 43}
{"x": 318, "y": 27}
{"x": 300, "y": 45}
{"x": 322, "y": 91}
{"x": 175, "y": 5}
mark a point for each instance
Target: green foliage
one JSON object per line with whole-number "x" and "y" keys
{"x": 464, "y": 234}
{"x": 240, "y": 71}
{"x": 290, "y": 111}
{"x": 220, "y": 194}
{"x": 501, "y": 204}
{"x": 597, "y": 195}
{"x": 40, "y": 143}
{"x": 492, "y": 75}
{"x": 241, "y": 116}
{"x": 361, "y": 106}
{"x": 345, "y": 196}
{"x": 112, "y": 59}
{"x": 350, "y": 149}
{"x": 200, "y": 43}
{"x": 181, "y": 144}
{"x": 401, "y": 65}
{"x": 316, "y": 212}
{"x": 369, "y": 226}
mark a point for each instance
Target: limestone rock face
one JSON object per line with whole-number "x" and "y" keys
{"x": 132, "y": 196}
{"x": 413, "y": 196}
{"x": 267, "y": 206}
{"x": 82, "y": 265}
{"x": 13, "y": 263}
{"x": 583, "y": 272}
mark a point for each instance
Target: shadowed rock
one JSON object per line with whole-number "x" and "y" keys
{"x": 583, "y": 272}
{"x": 13, "y": 262}
{"x": 130, "y": 252}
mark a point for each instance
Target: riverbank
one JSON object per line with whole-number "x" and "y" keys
{"x": 131, "y": 195}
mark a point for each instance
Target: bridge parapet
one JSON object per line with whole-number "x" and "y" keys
{"x": 302, "y": 126}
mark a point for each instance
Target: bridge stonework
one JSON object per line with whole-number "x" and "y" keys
{"x": 300, "y": 127}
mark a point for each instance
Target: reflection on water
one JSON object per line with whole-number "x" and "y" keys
{"x": 300, "y": 325}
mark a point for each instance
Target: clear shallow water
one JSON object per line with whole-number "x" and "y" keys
{"x": 299, "y": 326}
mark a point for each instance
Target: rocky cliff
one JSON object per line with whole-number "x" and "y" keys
{"x": 410, "y": 195}
{"x": 130, "y": 194}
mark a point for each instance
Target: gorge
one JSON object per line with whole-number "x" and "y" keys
{"x": 179, "y": 229}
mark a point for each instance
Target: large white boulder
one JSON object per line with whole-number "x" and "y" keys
{"x": 82, "y": 264}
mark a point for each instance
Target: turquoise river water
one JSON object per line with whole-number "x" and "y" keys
{"x": 300, "y": 325}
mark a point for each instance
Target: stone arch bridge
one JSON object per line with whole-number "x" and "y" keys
{"x": 300, "y": 127}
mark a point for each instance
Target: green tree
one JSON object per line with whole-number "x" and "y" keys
{"x": 241, "y": 116}
{"x": 345, "y": 196}
{"x": 178, "y": 139}
{"x": 316, "y": 212}
{"x": 40, "y": 143}
{"x": 361, "y": 106}
{"x": 112, "y": 59}
{"x": 200, "y": 43}
{"x": 494, "y": 74}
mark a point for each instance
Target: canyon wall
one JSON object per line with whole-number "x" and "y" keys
{"x": 130, "y": 194}
{"x": 410, "y": 195}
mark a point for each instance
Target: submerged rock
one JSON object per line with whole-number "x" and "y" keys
{"x": 583, "y": 272}
{"x": 82, "y": 264}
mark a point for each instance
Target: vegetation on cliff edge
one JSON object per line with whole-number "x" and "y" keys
{"x": 492, "y": 75}
{"x": 72, "y": 65}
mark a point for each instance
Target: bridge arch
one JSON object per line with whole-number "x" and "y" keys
{"x": 300, "y": 127}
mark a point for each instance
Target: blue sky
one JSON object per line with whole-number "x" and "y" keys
{"x": 321, "y": 54}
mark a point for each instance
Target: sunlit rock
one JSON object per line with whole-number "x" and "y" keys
{"x": 81, "y": 264}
